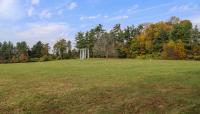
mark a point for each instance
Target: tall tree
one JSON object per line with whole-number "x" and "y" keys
{"x": 80, "y": 40}
{"x": 22, "y": 51}
{"x": 118, "y": 36}
{"x": 195, "y": 41}
{"x": 22, "y": 47}
{"x": 45, "y": 50}
{"x": 60, "y": 48}
{"x": 174, "y": 20}
{"x": 37, "y": 50}
{"x": 7, "y": 50}
{"x": 98, "y": 31}
{"x": 195, "y": 36}
{"x": 91, "y": 41}
{"x": 69, "y": 47}
{"x": 104, "y": 46}
{"x": 177, "y": 32}
{"x": 187, "y": 30}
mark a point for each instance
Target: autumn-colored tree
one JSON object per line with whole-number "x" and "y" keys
{"x": 141, "y": 42}
{"x": 156, "y": 35}
{"x": 172, "y": 50}
{"x": 135, "y": 48}
{"x": 180, "y": 51}
{"x": 169, "y": 50}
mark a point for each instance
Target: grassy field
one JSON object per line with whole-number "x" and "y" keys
{"x": 101, "y": 86}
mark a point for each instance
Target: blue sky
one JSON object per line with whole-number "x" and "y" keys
{"x": 50, "y": 20}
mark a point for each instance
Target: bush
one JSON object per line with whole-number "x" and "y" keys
{"x": 174, "y": 50}
{"x": 190, "y": 56}
{"x": 53, "y": 57}
{"x": 44, "y": 58}
{"x": 58, "y": 58}
{"x": 66, "y": 56}
{"x": 23, "y": 58}
{"x": 14, "y": 60}
{"x": 141, "y": 57}
{"x": 197, "y": 58}
{"x": 156, "y": 56}
{"x": 149, "y": 56}
{"x": 34, "y": 60}
{"x": 121, "y": 53}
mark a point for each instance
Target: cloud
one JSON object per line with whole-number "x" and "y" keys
{"x": 183, "y": 8}
{"x": 30, "y": 11}
{"x": 35, "y": 2}
{"x": 10, "y": 10}
{"x": 106, "y": 17}
{"x": 45, "y": 14}
{"x": 46, "y": 32}
{"x": 130, "y": 10}
{"x": 72, "y": 5}
{"x": 196, "y": 21}
{"x": 121, "y": 17}
{"x": 89, "y": 17}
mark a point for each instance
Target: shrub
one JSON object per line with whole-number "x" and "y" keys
{"x": 14, "y": 59}
{"x": 58, "y": 58}
{"x": 190, "y": 56}
{"x": 66, "y": 56}
{"x": 44, "y": 58}
{"x": 156, "y": 56}
{"x": 141, "y": 57}
{"x": 174, "y": 50}
{"x": 168, "y": 50}
{"x": 180, "y": 50}
{"x": 121, "y": 53}
{"x": 34, "y": 60}
{"x": 197, "y": 58}
{"x": 23, "y": 57}
{"x": 196, "y": 50}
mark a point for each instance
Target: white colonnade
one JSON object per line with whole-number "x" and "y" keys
{"x": 84, "y": 54}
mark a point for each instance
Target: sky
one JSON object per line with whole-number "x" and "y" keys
{"x": 51, "y": 20}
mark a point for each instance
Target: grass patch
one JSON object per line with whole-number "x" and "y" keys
{"x": 100, "y": 86}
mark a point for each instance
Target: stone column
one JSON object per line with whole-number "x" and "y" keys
{"x": 84, "y": 53}
{"x": 80, "y": 53}
{"x": 88, "y": 53}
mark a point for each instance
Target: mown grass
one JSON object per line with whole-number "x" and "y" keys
{"x": 101, "y": 86}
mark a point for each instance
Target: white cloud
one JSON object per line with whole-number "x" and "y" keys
{"x": 89, "y": 17}
{"x": 132, "y": 9}
{"x": 196, "y": 21}
{"x": 106, "y": 16}
{"x": 46, "y": 32}
{"x": 45, "y": 14}
{"x": 10, "y": 10}
{"x": 183, "y": 8}
{"x": 121, "y": 17}
{"x": 30, "y": 11}
{"x": 72, "y": 5}
{"x": 35, "y": 2}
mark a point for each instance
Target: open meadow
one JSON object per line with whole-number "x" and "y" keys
{"x": 100, "y": 86}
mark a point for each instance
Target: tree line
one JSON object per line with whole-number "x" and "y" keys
{"x": 172, "y": 39}
{"x": 21, "y": 52}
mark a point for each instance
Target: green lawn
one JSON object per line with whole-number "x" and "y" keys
{"x": 100, "y": 86}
